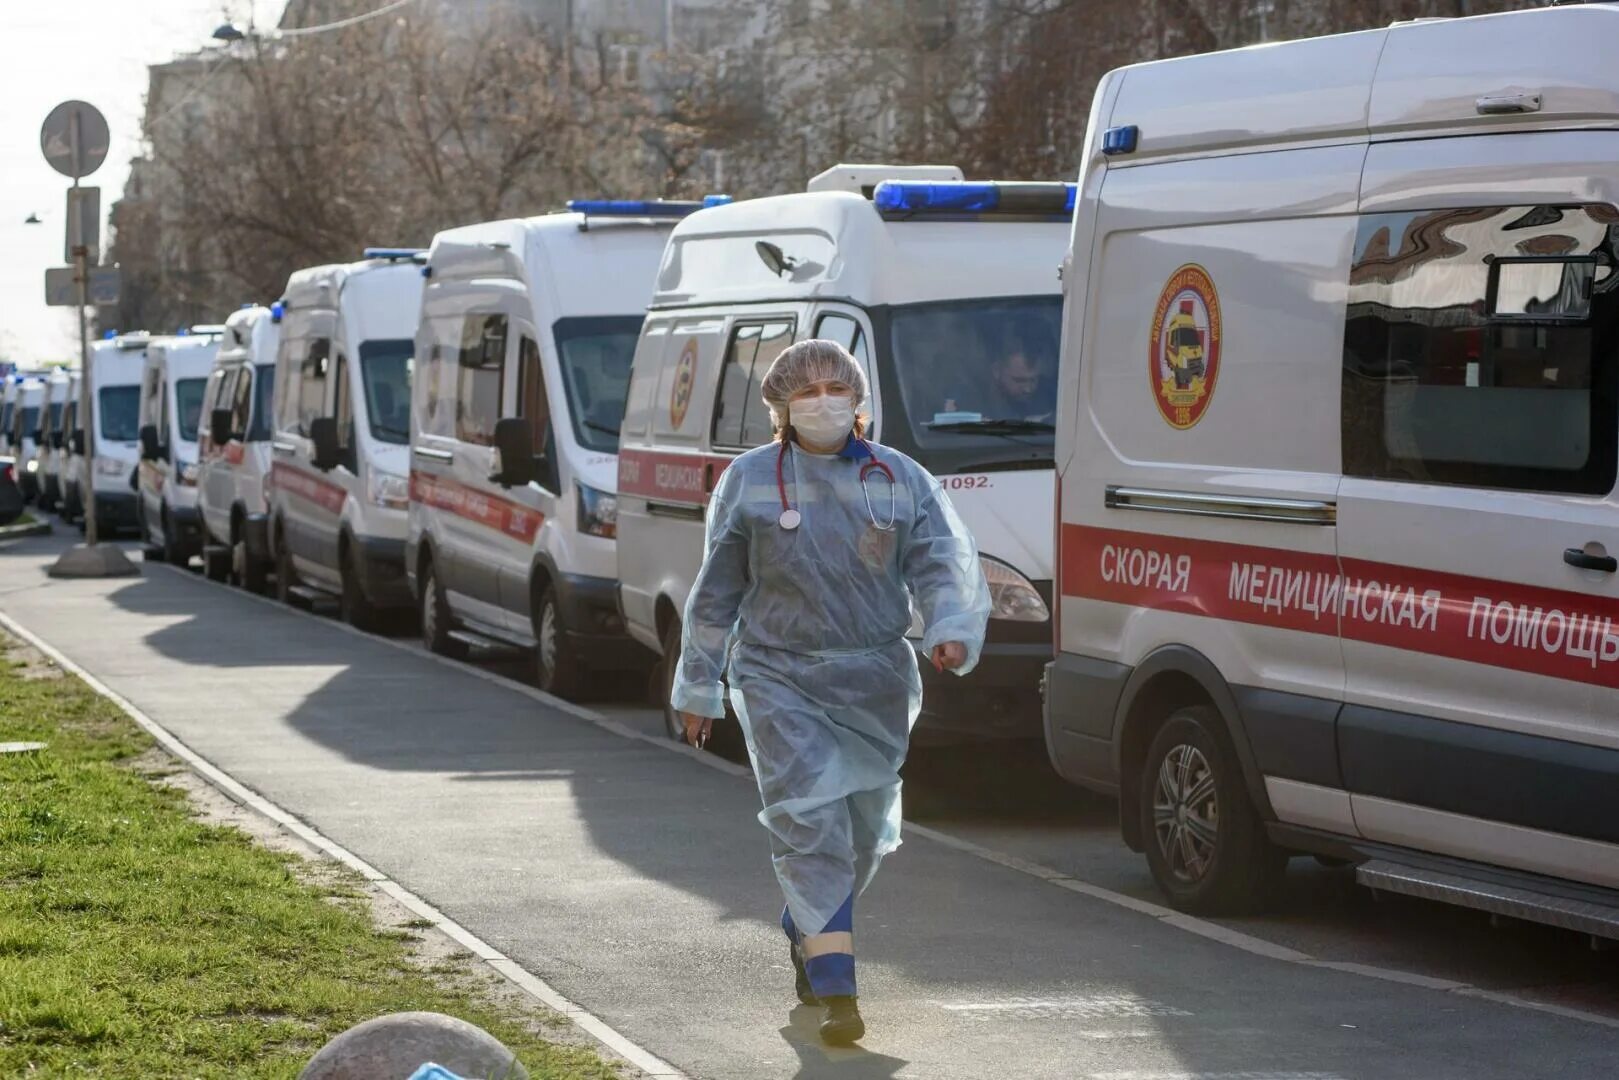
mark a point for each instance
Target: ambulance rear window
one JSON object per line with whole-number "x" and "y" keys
{"x": 1481, "y": 349}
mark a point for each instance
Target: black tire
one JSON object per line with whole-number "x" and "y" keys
{"x": 557, "y": 668}
{"x": 246, "y": 571}
{"x": 286, "y": 578}
{"x": 1204, "y": 840}
{"x": 173, "y": 553}
{"x": 356, "y": 608}
{"x": 216, "y": 563}
{"x": 437, "y": 622}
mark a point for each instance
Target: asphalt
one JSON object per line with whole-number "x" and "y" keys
{"x": 636, "y": 881}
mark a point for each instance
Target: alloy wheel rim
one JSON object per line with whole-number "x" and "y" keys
{"x": 1186, "y": 813}
{"x": 548, "y": 640}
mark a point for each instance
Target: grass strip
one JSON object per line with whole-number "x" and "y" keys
{"x": 139, "y": 941}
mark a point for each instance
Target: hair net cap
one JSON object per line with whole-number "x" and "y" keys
{"x": 808, "y": 362}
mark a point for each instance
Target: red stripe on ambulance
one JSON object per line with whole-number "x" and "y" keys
{"x": 1554, "y": 632}
{"x": 322, "y": 493}
{"x": 670, "y": 477}
{"x": 490, "y": 511}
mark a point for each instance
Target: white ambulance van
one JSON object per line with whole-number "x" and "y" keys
{"x": 234, "y": 441}
{"x": 947, "y": 292}
{"x": 341, "y": 449}
{"x": 528, "y": 329}
{"x": 115, "y": 386}
{"x": 27, "y": 397}
{"x": 58, "y": 386}
{"x": 1337, "y": 452}
{"x": 70, "y": 456}
{"x": 173, "y": 379}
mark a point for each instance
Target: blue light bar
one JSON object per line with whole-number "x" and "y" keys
{"x": 183, "y": 332}
{"x": 394, "y": 254}
{"x": 899, "y": 198}
{"x": 716, "y": 200}
{"x": 277, "y": 311}
{"x": 109, "y": 335}
{"x": 663, "y": 208}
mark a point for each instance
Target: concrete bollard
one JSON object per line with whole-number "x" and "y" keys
{"x": 393, "y": 1047}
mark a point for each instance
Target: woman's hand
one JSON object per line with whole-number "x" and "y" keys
{"x": 949, "y": 655}
{"x": 698, "y": 728}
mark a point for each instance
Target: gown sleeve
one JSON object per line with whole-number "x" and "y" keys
{"x": 711, "y": 609}
{"x": 940, "y": 564}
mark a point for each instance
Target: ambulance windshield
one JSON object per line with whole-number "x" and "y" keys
{"x": 119, "y": 411}
{"x": 596, "y": 355}
{"x": 976, "y": 372}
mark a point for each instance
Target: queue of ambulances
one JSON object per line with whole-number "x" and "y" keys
{"x": 340, "y": 452}
{"x": 26, "y": 397}
{"x": 173, "y": 378}
{"x": 948, "y": 294}
{"x": 68, "y": 442}
{"x": 527, "y": 332}
{"x": 114, "y": 388}
{"x": 1337, "y": 448}
{"x": 58, "y": 387}
{"x": 234, "y": 444}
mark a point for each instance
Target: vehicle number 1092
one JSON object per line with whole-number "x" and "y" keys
{"x": 963, "y": 483}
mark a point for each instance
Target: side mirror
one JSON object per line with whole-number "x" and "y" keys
{"x": 323, "y": 433}
{"x": 219, "y": 427}
{"x": 56, "y": 440}
{"x": 150, "y": 451}
{"x": 78, "y": 442}
{"x": 514, "y": 453}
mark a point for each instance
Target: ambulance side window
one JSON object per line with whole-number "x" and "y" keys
{"x": 312, "y": 382}
{"x": 343, "y": 410}
{"x": 534, "y": 406}
{"x": 287, "y": 367}
{"x": 480, "y": 369}
{"x": 212, "y": 397}
{"x": 1481, "y": 349}
{"x": 846, "y": 331}
{"x": 741, "y": 418}
{"x": 240, "y": 401}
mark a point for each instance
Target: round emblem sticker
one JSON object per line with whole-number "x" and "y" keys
{"x": 1185, "y": 360}
{"x": 685, "y": 379}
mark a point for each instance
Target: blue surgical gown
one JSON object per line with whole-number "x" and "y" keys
{"x": 808, "y": 628}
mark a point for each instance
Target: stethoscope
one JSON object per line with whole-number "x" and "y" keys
{"x": 791, "y": 518}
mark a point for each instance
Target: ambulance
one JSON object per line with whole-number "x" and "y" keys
{"x": 69, "y": 442}
{"x": 115, "y": 390}
{"x": 26, "y": 396}
{"x": 173, "y": 378}
{"x": 947, "y": 294}
{"x": 58, "y": 386}
{"x": 340, "y": 452}
{"x": 234, "y": 450}
{"x": 1337, "y": 446}
{"x": 527, "y": 332}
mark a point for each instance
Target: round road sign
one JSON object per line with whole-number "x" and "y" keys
{"x": 56, "y": 138}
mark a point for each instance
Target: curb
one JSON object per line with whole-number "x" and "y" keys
{"x": 17, "y": 532}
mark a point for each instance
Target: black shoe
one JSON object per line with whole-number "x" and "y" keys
{"x": 806, "y": 993}
{"x": 841, "y": 1026}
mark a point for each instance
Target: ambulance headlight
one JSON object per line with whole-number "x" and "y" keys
{"x": 33, "y": 465}
{"x": 106, "y": 466}
{"x": 1011, "y": 595}
{"x": 387, "y": 490}
{"x": 598, "y": 512}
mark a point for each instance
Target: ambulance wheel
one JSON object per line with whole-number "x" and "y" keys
{"x": 436, "y": 619}
{"x": 1205, "y": 843}
{"x": 356, "y": 609}
{"x": 173, "y": 553}
{"x": 286, "y": 578}
{"x": 557, "y": 669}
{"x": 216, "y": 563}
{"x": 673, "y": 725}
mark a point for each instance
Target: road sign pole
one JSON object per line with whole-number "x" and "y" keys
{"x": 88, "y": 559}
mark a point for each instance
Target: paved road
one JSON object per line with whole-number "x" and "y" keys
{"x": 636, "y": 881}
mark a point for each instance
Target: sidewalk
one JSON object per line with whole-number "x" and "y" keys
{"x": 637, "y": 882}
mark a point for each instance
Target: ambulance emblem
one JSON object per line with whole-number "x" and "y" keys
{"x": 1185, "y": 357}
{"x": 685, "y": 380}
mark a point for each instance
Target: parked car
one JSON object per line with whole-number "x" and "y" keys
{"x": 115, "y": 387}
{"x": 234, "y": 450}
{"x": 48, "y": 439}
{"x": 67, "y": 443}
{"x": 1350, "y": 588}
{"x": 173, "y": 378}
{"x": 947, "y": 293}
{"x": 527, "y": 332}
{"x": 27, "y": 397}
{"x": 339, "y": 486}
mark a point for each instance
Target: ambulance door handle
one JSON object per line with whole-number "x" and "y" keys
{"x": 1583, "y": 559}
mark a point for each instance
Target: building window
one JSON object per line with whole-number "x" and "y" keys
{"x": 1480, "y": 349}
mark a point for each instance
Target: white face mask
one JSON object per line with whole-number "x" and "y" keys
{"x": 823, "y": 420}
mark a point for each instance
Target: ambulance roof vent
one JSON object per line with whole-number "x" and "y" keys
{"x": 863, "y": 179}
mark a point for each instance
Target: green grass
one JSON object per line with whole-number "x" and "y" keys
{"x": 139, "y": 941}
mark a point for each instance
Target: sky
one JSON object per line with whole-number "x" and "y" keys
{"x": 95, "y": 51}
